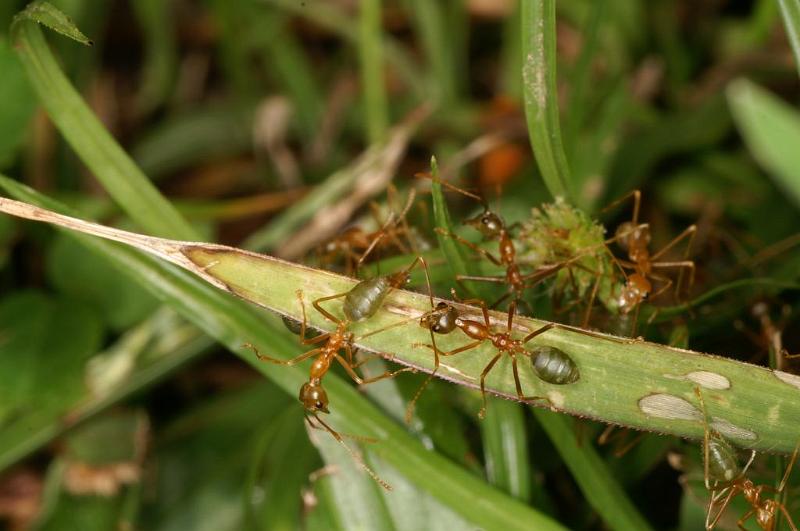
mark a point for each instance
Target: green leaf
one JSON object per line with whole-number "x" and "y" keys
{"x": 505, "y": 447}
{"x": 771, "y": 129}
{"x": 17, "y": 104}
{"x": 48, "y": 15}
{"x": 541, "y": 96}
{"x": 595, "y": 480}
{"x": 790, "y": 12}
{"x": 652, "y": 383}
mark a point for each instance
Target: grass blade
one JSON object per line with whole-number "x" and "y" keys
{"x": 771, "y": 129}
{"x": 541, "y": 96}
{"x": 790, "y": 12}
{"x": 593, "y": 477}
{"x": 370, "y": 49}
{"x": 505, "y": 447}
{"x": 653, "y": 385}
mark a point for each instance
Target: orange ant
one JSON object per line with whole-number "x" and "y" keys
{"x": 634, "y": 239}
{"x": 355, "y": 240}
{"x": 550, "y": 364}
{"x": 721, "y": 466}
{"x": 491, "y": 226}
{"x": 360, "y": 303}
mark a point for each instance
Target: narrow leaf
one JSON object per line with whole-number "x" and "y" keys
{"x": 541, "y": 96}
{"x": 771, "y": 129}
{"x": 47, "y": 14}
{"x": 652, "y": 387}
{"x": 593, "y": 477}
{"x": 790, "y": 12}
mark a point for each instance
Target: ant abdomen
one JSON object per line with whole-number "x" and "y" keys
{"x": 366, "y": 298}
{"x": 723, "y": 461}
{"x": 553, "y": 365}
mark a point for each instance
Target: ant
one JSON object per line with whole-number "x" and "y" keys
{"x": 360, "y": 303}
{"x": 492, "y": 227}
{"x": 721, "y": 466}
{"x": 550, "y": 364}
{"x": 634, "y": 239}
{"x": 353, "y": 240}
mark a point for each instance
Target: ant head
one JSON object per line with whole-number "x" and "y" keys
{"x": 627, "y": 233}
{"x": 441, "y": 320}
{"x": 488, "y": 223}
{"x": 398, "y": 280}
{"x": 635, "y": 290}
{"x": 314, "y": 397}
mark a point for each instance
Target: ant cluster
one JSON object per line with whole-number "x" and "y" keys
{"x": 559, "y": 243}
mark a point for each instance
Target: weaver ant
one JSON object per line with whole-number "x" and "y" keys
{"x": 355, "y": 244}
{"x": 360, "y": 303}
{"x": 550, "y": 364}
{"x": 634, "y": 239}
{"x": 492, "y": 227}
{"x": 721, "y": 466}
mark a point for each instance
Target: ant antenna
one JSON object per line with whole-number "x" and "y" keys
{"x": 452, "y": 187}
{"x": 353, "y": 454}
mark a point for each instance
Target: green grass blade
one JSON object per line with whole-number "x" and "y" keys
{"x": 233, "y": 322}
{"x": 505, "y": 448}
{"x": 161, "y": 58}
{"x": 651, "y": 387}
{"x": 771, "y": 129}
{"x": 91, "y": 141}
{"x": 790, "y": 12}
{"x": 370, "y": 49}
{"x": 593, "y": 477}
{"x": 541, "y": 96}
{"x": 47, "y": 14}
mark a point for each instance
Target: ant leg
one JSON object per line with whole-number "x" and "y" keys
{"x": 304, "y": 325}
{"x": 683, "y": 265}
{"x": 512, "y": 309}
{"x": 459, "y": 350}
{"x": 788, "y": 517}
{"x": 712, "y": 522}
{"x": 637, "y": 199}
{"x": 289, "y": 362}
{"x": 454, "y": 188}
{"x": 539, "y": 331}
{"x": 353, "y": 454}
{"x": 474, "y": 302}
{"x": 489, "y": 367}
{"x": 375, "y": 241}
{"x": 740, "y": 522}
{"x": 518, "y": 385}
{"x": 486, "y": 254}
{"x": 363, "y": 381}
{"x": 689, "y": 232}
{"x": 498, "y": 279}
{"x": 592, "y": 298}
{"x": 325, "y": 313}
{"x": 789, "y": 467}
